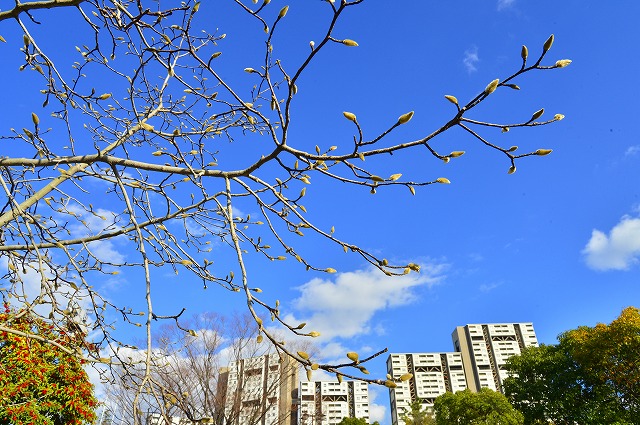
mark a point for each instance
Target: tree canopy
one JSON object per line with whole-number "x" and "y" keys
{"x": 355, "y": 421}
{"x": 417, "y": 414}
{"x": 146, "y": 142}
{"x": 41, "y": 379}
{"x": 486, "y": 407}
{"x": 590, "y": 377}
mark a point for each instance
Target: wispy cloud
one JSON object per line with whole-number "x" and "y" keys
{"x": 632, "y": 150}
{"x": 503, "y": 4}
{"x": 471, "y": 59}
{"x": 619, "y": 250}
{"x": 488, "y": 287}
{"x": 345, "y": 307}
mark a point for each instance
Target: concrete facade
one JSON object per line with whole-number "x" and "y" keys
{"x": 327, "y": 402}
{"x": 260, "y": 391}
{"x": 433, "y": 375}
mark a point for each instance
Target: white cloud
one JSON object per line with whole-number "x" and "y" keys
{"x": 471, "y": 59}
{"x": 92, "y": 224}
{"x": 632, "y": 150}
{"x": 619, "y": 250}
{"x": 503, "y": 4}
{"x": 377, "y": 412}
{"x": 488, "y": 287}
{"x": 345, "y": 307}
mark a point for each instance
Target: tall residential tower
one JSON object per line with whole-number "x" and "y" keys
{"x": 260, "y": 391}
{"x": 327, "y": 402}
{"x": 486, "y": 348}
{"x": 433, "y": 374}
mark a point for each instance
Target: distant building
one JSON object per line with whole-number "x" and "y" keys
{"x": 486, "y": 348}
{"x": 260, "y": 391}
{"x": 481, "y": 353}
{"x": 328, "y": 402}
{"x": 433, "y": 375}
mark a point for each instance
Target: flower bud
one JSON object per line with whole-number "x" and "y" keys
{"x": 451, "y": 99}
{"x": 543, "y": 152}
{"x": 443, "y": 180}
{"x": 524, "y": 53}
{"x": 283, "y": 12}
{"x": 547, "y": 44}
{"x": 492, "y": 86}
{"x": 537, "y": 114}
{"x": 562, "y": 63}
{"x": 350, "y": 43}
{"x": 303, "y": 355}
{"x": 403, "y": 119}
{"x": 353, "y": 356}
{"x": 350, "y": 116}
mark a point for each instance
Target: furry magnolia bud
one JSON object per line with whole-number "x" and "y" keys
{"x": 350, "y": 116}
{"x": 547, "y": 44}
{"x": 537, "y": 114}
{"x": 353, "y": 356}
{"x": 403, "y": 119}
{"x": 451, "y": 99}
{"x": 543, "y": 152}
{"x": 492, "y": 86}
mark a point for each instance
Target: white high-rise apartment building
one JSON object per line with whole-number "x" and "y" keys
{"x": 260, "y": 391}
{"x": 433, "y": 375}
{"x": 327, "y": 402}
{"x": 486, "y": 348}
{"x": 481, "y": 353}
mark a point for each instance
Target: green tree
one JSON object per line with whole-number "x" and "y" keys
{"x": 355, "y": 421}
{"x": 590, "y": 377}
{"x": 609, "y": 355}
{"x": 417, "y": 414}
{"x": 41, "y": 380}
{"x": 485, "y": 407}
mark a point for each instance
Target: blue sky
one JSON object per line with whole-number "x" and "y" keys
{"x": 557, "y": 243}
